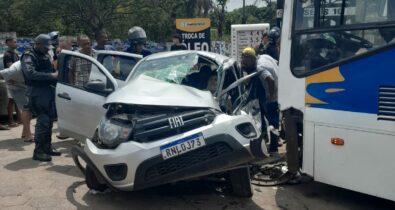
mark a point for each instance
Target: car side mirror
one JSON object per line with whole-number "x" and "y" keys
{"x": 97, "y": 86}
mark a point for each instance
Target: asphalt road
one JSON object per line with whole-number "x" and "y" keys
{"x": 28, "y": 184}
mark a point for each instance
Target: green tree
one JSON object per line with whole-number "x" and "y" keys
{"x": 218, "y": 16}
{"x": 204, "y": 7}
{"x": 157, "y": 17}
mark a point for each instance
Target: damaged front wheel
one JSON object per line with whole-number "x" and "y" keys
{"x": 92, "y": 182}
{"x": 241, "y": 182}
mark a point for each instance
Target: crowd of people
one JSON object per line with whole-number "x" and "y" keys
{"x": 31, "y": 79}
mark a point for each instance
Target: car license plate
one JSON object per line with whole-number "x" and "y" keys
{"x": 182, "y": 146}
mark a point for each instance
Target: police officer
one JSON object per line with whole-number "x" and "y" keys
{"x": 272, "y": 48}
{"x": 54, "y": 35}
{"x": 137, "y": 39}
{"x": 40, "y": 78}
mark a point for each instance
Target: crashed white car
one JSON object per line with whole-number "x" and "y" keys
{"x": 175, "y": 116}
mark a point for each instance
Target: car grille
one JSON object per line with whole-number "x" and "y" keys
{"x": 156, "y": 127}
{"x": 189, "y": 159}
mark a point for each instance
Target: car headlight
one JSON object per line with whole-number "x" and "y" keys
{"x": 114, "y": 131}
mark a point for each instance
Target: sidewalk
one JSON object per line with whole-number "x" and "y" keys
{"x": 29, "y": 184}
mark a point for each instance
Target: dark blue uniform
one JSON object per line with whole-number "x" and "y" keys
{"x": 37, "y": 69}
{"x": 144, "y": 52}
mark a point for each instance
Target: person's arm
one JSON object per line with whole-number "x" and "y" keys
{"x": 9, "y": 73}
{"x": 266, "y": 77}
{"x": 30, "y": 72}
{"x": 271, "y": 85}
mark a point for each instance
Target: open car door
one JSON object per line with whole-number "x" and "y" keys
{"x": 119, "y": 64}
{"x": 83, "y": 85}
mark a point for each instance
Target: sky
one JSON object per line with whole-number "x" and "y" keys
{"x": 235, "y": 4}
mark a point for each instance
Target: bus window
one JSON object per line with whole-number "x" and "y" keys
{"x": 368, "y": 11}
{"x": 315, "y": 50}
{"x": 355, "y": 11}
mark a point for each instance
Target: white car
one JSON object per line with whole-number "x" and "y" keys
{"x": 161, "y": 124}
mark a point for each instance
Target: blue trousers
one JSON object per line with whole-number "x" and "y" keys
{"x": 273, "y": 117}
{"x": 43, "y": 107}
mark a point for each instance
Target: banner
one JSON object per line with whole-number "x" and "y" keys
{"x": 246, "y": 35}
{"x": 195, "y": 33}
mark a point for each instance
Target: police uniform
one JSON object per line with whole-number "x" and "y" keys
{"x": 37, "y": 70}
{"x": 144, "y": 52}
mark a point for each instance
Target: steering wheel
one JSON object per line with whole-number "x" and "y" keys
{"x": 363, "y": 43}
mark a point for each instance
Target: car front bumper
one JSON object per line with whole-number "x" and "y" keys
{"x": 144, "y": 166}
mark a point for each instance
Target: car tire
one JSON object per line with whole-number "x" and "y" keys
{"x": 92, "y": 182}
{"x": 241, "y": 182}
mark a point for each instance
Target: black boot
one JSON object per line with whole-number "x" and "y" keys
{"x": 53, "y": 152}
{"x": 41, "y": 156}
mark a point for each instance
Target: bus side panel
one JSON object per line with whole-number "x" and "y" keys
{"x": 308, "y": 148}
{"x": 364, "y": 163}
{"x": 362, "y": 87}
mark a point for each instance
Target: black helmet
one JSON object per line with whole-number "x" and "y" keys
{"x": 277, "y": 29}
{"x": 43, "y": 39}
{"x": 54, "y": 36}
{"x": 274, "y": 33}
{"x": 137, "y": 35}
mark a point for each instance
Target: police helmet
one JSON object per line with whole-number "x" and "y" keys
{"x": 43, "y": 39}
{"x": 137, "y": 35}
{"x": 274, "y": 33}
{"x": 54, "y": 37}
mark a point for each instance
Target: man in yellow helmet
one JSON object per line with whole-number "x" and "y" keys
{"x": 263, "y": 87}
{"x": 248, "y": 60}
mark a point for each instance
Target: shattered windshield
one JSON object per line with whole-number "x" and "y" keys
{"x": 172, "y": 69}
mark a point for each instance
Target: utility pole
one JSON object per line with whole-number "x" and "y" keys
{"x": 243, "y": 19}
{"x": 280, "y": 12}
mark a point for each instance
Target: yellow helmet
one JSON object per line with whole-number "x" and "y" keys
{"x": 249, "y": 51}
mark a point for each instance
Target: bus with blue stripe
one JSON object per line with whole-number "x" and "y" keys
{"x": 337, "y": 92}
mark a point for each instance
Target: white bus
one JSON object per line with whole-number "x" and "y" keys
{"x": 337, "y": 92}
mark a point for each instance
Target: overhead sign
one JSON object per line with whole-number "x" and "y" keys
{"x": 246, "y": 35}
{"x": 279, "y": 13}
{"x": 195, "y": 33}
{"x": 330, "y": 11}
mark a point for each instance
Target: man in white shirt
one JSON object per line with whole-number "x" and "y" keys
{"x": 18, "y": 91}
{"x": 268, "y": 68}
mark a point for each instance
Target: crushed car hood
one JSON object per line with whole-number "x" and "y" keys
{"x": 145, "y": 90}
